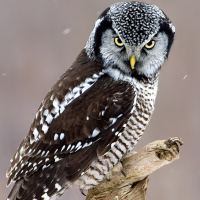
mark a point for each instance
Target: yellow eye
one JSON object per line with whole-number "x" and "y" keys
{"x": 150, "y": 44}
{"x": 118, "y": 42}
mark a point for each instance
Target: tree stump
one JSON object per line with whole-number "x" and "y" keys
{"x": 128, "y": 180}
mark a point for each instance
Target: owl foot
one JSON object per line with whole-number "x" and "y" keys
{"x": 116, "y": 168}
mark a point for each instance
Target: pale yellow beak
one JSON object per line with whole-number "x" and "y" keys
{"x": 132, "y": 61}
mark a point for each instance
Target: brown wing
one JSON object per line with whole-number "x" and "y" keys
{"x": 37, "y": 144}
{"x": 78, "y": 130}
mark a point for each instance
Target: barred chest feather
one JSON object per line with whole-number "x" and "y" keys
{"x": 142, "y": 110}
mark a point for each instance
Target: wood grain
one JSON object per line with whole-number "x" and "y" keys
{"x": 136, "y": 167}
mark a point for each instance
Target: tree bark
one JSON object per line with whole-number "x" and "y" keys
{"x": 129, "y": 179}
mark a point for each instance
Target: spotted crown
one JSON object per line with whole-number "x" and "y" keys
{"x": 136, "y": 21}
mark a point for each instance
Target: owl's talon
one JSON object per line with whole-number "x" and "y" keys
{"x": 82, "y": 192}
{"x": 108, "y": 175}
{"x": 123, "y": 173}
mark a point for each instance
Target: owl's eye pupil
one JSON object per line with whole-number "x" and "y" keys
{"x": 118, "y": 42}
{"x": 150, "y": 44}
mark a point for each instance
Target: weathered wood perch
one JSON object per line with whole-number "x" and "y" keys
{"x": 136, "y": 167}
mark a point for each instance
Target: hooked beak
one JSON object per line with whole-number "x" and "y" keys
{"x": 132, "y": 61}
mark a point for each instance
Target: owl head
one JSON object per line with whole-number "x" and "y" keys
{"x": 133, "y": 37}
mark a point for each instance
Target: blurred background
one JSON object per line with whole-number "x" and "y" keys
{"x": 40, "y": 39}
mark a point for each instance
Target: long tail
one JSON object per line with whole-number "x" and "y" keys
{"x": 50, "y": 181}
{"x": 44, "y": 186}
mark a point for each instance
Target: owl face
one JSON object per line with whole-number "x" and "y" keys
{"x": 133, "y": 37}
